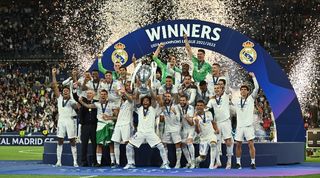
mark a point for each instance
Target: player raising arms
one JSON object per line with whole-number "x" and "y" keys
{"x": 66, "y": 123}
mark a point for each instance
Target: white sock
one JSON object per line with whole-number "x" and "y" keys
{"x": 191, "y": 151}
{"x": 186, "y": 153}
{"x": 217, "y": 157}
{"x": 253, "y": 161}
{"x": 213, "y": 153}
{"x": 238, "y": 160}
{"x": 163, "y": 154}
{"x": 129, "y": 153}
{"x": 74, "y": 153}
{"x": 99, "y": 156}
{"x": 117, "y": 152}
{"x": 112, "y": 157}
{"x": 178, "y": 155}
{"x": 229, "y": 153}
{"x": 59, "y": 153}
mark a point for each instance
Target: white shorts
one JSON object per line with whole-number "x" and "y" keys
{"x": 171, "y": 137}
{"x": 187, "y": 134}
{"x": 204, "y": 148}
{"x": 67, "y": 126}
{"x": 225, "y": 129}
{"x": 205, "y": 143}
{"x": 244, "y": 132}
{"x": 122, "y": 133}
{"x": 140, "y": 137}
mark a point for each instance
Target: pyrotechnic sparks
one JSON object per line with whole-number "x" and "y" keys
{"x": 305, "y": 73}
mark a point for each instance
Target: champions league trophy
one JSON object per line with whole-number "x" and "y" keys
{"x": 145, "y": 71}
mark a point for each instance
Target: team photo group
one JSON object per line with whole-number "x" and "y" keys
{"x": 158, "y": 104}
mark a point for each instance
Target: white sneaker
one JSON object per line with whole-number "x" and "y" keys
{"x": 217, "y": 165}
{"x": 75, "y": 164}
{"x": 228, "y": 166}
{"x": 212, "y": 166}
{"x": 129, "y": 166}
{"x": 58, "y": 164}
{"x": 187, "y": 165}
{"x": 197, "y": 164}
{"x": 177, "y": 166}
{"x": 78, "y": 140}
{"x": 192, "y": 165}
{"x": 165, "y": 166}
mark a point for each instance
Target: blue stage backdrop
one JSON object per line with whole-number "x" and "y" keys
{"x": 229, "y": 43}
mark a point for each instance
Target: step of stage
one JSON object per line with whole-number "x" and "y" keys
{"x": 267, "y": 154}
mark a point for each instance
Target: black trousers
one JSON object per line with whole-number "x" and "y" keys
{"x": 88, "y": 132}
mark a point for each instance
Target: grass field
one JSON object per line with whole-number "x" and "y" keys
{"x": 21, "y": 152}
{"x": 35, "y": 153}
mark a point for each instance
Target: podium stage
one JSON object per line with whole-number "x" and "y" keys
{"x": 267, "y": 154}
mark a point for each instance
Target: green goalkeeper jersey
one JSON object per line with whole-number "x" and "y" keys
{"x": 200, "y": 71}
{"x": 164, "y": 69}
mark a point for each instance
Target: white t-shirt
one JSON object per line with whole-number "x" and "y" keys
{"x": 211, "y": 81}
{"x": 163, "y": 89}
{"x": 172, "y": 120}
{"x": 125, "y": 116}
{"x": 205, "y": 96}
{"x": 65, "y": 107}
{"x": 104, "y": 109}
{"x": 187, "y": 111}
{"x": 91, "y": 85}
{"x": 245, "y": 107}
{"x": 221, "y": 107}
{"x": 112, "y": 88}
{"x": 146, "y": 119}
{"x": 205, "y": 125}
{"x": 190, "y": 92}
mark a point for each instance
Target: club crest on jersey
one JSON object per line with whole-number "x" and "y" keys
{"x": 248, "y": 55}
{"x": 119, "y": 54}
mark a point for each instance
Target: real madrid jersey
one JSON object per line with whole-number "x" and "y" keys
{"x": 186, "y": 111}
{"x": 245, "y": 107}
{"x": 112, "y": 89}
{"x": 104, "y": 109}
{"x": 211, "y": 81}
{"x": 221, "y": 107}
{"x": 172, "y": 120}
{"x": 164, "y": 89}
{"x": 65, "y": 107}
{"x": 125, "y": 115}
{"x": 205, "y": 122}
{"x": 146, "y": 119}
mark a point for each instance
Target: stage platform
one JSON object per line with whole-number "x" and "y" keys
{"x": 38, "y": 168}
{"x": 267, "y": 154}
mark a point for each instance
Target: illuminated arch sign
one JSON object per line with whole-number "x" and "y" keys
{"x": 229, "y": 43}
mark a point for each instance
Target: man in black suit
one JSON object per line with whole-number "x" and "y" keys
{"x": 88, "y": 121}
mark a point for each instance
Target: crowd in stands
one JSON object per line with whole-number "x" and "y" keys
{"x": 23, "y": 31}
{"x": 26, "y": 98}
{"x": 277, "y": 25}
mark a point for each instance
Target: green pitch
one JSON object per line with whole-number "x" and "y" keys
{"x": 21, "y": 152}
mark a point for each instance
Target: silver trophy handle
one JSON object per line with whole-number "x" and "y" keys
{"x": 133, "y": 79}
{"x": 153, "y": 72}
